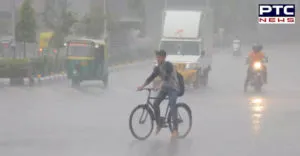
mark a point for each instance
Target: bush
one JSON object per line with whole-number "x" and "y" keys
{"x": 13, "y": 62}
{"x": 14, "y": 67}
{"x": 46, "y": 65}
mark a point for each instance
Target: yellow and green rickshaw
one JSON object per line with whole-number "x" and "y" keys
{"x": 87, "y": 59}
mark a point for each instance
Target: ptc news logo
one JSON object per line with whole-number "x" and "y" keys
{"x": 276, "y": 14}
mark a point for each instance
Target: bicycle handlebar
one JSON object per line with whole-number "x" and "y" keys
{"x": 149, "y": 89}
{"x": 149, "y": 93}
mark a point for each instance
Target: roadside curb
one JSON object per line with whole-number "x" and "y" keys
{"x": 48, "y": 79}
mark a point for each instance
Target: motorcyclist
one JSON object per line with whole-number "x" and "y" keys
{"x": 169, "y": 87}
{"x": 255, "y": 56}
{"x": 236, "y": 45}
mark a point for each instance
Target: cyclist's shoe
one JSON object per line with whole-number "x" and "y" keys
{"x": 174, "y": 134}
{"x": 161, "y": 124}
{"x": 158, "y": 128}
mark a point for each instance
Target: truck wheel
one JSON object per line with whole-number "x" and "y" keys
{"x": 31, "y": 81}
{"x": 204, "y": 78}
{"x": 196, "y": 84}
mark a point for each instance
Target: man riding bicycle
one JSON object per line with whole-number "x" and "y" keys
{"x": 169, "y": 87}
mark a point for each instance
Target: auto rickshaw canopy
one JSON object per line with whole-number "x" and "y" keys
{"x": 96, "y": 44}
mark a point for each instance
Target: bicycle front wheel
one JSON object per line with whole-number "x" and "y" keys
{"x": 141, "y": 115}
{"x": 184, "y": 120}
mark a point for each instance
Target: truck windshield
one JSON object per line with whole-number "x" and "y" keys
{"x": 80, "y": 50}
{"x": 180, "y": 48}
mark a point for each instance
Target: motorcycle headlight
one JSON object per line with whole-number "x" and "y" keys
{"x": 257, "y": 65}
{"x": 256, "y": 101}
{"x": 191, "y": 66}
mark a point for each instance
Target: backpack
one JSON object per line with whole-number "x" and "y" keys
{"x": 181, "y": 84}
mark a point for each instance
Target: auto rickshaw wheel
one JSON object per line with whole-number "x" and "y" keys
{"x": 75, "y": 83}
{"x": 105, "y": 81}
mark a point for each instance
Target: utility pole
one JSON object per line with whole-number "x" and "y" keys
{"x": 165, "y": 4}
{"x": 13, "y": 27}
{"x": 207, "y": 3}
{"x": 105, "y": 19}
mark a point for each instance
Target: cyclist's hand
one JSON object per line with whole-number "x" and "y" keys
{"x": 140, "y": 88}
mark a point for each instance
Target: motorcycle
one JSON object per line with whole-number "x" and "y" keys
{"x": 257, "y": 75}
{"x": 236, "y": 46}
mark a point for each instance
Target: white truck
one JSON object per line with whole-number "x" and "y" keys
{"x": 187, "y": 37}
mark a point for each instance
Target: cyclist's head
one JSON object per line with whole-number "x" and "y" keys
{"x": 160, "y": 56}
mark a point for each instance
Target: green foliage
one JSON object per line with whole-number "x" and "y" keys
{"x": 13, "y": 67}
{"x": 60, "y": 21}
{"x": 63, "y": 30}
{"x": 43, "y": 65}
{"x": 94, "y": 22}
{"x": 13, "y": 62}
{"x": 68, "y": 19}
{"x": 26, "y": 27}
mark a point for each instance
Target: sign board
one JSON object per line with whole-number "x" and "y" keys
{"x": 44, "y": 39}
{"x": 182, "y": 24}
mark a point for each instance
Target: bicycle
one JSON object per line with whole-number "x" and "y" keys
{"x": 148, "y": 111}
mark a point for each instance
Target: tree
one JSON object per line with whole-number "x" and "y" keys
{"x": 26, "y": 26}
{"x": 139, "y": 9}
{"x": 62, "y": 30}
{"x": 59, "y": 20}
{"x": 94, "y": 22}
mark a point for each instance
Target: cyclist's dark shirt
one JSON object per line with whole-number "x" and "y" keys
{"x": 167, "y": 73}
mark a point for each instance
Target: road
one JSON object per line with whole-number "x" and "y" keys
{"x": 58, "y": 120}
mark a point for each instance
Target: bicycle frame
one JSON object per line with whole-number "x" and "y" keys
{"x": 167, "y": 121}
{"x": 150, "y": 104}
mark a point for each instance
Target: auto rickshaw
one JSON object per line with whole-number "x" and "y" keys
{"x": 87, "y": 59}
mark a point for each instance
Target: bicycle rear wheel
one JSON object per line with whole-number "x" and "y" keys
{"x": 188, "y": 115}
{"x": 145, "y": 116}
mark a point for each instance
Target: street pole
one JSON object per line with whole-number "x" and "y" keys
{"x": 105, "y": 32}
{"x": 105, "y": 19}
{"x": 165, "y": 4}
{"x": 207, "y": 3}
{"x": 13, "y": 25}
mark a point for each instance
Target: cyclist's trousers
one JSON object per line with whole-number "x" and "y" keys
{"x": 172, "y": 96}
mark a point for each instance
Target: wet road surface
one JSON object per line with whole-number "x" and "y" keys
{"x": 61, "y": 121}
